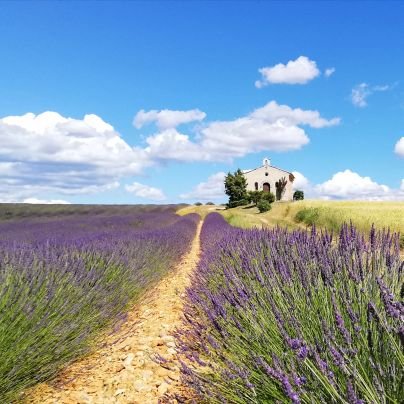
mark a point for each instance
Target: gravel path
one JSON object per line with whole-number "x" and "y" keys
{"x": 123, "y": 371}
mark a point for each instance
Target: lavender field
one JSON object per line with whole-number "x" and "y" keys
{"x": 67, "y": 279}
{"x": 302, "y": 317}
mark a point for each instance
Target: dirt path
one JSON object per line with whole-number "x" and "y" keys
{"x": 124, "y": 371}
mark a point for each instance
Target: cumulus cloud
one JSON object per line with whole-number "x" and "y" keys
{"x": 213, "y": 188}
{"x": 228, "y": 139}
{"x": 350, "y": 185}
{"x": 144, "y": 191}
{"x": 273, "y": 112}
{"x": 166, "y": 118}
{"x": 51, "y": 153}
{"x": 173, "y": 145}
{"x": 398, "y": 149}
{"x": 361, "y": 92}
{"x": 299, "y": 71}
{"x": 55, "y": 140}
{"x": 272, "y": 127}
{"x": 300, "y": 182}
{"x": 330, "y": 71}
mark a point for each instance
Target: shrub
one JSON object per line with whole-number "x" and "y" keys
{"x": 308, "y": 216}
{"x": 268, "y": 196}
{"x": 198, "y": 203}
{"x": 298, "y": 195}
{"x": 263, "y": 206}
{"x": 234, "y": 204}
{"x": 255, "y": 196}
{"x": 209, "y": 203}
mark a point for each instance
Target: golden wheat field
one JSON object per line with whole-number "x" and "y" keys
{"x": 325, "y": 214}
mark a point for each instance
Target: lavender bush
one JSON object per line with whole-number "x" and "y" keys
{"x": 299, "y": 317}
{"x": 62, "y": 282}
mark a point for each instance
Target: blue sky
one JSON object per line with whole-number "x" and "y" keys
{"x": 61, "y": 61}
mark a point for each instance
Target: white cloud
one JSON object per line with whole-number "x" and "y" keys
{"x": 45, "y": 201}
{"x": 51, "y": 138}
{"x": 51, "y": 153}
{"x": 14, "y": 190}
{"x": 299, "y": 71}
{"x": 7, "y": 168}
{"x": 273, "y": 112}
{"x": 166, "y": 119}
{"x": 361, "y": 92}
{"x": 144, "y": 191}
{"x": 383, "y": 87}
{"x": 350, "y": 185}
{"x": 213, "y": 188}
{"x": 399, "y": 147}
{"x": 330, "y": 71}
{"x": 300, "y": 182}
{"x": 224, "y": 140}
{"x": 272, "y": 127}
{"x": 173, "y": 145}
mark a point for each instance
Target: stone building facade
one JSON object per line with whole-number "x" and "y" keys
{"x": 268, "y": 178}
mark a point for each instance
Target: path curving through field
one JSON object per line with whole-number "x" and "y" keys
{"x": 123, "y": 371}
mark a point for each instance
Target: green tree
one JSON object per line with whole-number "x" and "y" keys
{"x": 298, "y": 195}
{"x": 235, "y": 186}
{"x": 264, "y": 206}
{"x": 255, "y": 196}
{"x": 280, "y": 187}
{"x": 268, "y": 196}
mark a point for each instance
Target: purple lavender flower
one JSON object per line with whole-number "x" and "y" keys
{"x": 65, "y": 279}
{"x": 303, "y": 352}
{"x": 393, "y": 309}
{"x": 299, "y": 298}
{"x": 351, "y": 395}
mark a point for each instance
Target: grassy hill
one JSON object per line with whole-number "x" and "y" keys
{"x": 325, "y": 214}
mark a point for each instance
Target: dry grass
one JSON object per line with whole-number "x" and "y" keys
{"x": 331, "y": 214}
{"x": 326, "y": 214}
{"x": 202, "y": 210}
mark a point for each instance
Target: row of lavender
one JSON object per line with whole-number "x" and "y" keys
{"x": 63, "y": 281}
{"x": 277, "y": 316}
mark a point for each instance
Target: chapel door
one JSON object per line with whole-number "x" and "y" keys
{"x": 266, "y": 187}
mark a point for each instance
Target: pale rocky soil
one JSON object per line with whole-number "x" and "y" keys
{"x": 124, "y": 371}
